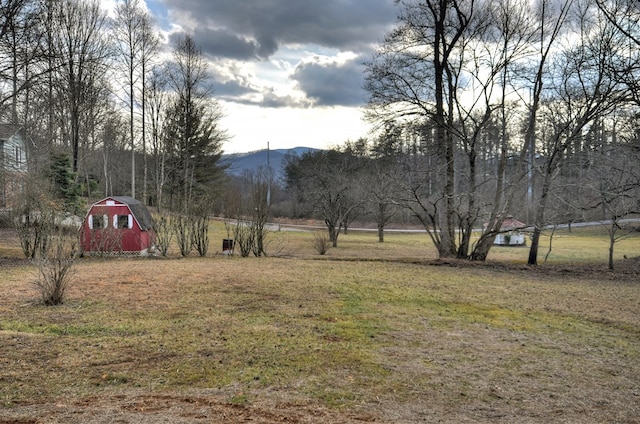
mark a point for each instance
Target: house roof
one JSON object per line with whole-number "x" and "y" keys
{"x": 7, "y": 131}
{"x": 140, "y": 212}
{"x": 511, "y": 223}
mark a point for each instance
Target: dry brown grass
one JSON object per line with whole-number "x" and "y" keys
{"x": 368, "y": 333}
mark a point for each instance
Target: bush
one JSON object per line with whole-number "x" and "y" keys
{"x": 183, "y": 229}
{"x": 34, "y": 227}
{"x": 164, "y": 233}
{"x": 244, "y": 237}
{"x": 55, "y": 269}
{"x": 200, "y": 234}
{"x": 110, "y": 241}
{"x": 321, "y": 242}
{"x": 191, "y": 231}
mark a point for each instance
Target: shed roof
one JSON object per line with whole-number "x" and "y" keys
{"x": 139, "y": 210}
{"x": 511, "y": 223}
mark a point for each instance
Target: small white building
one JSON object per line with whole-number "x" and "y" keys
{"x": 511, "y": 233}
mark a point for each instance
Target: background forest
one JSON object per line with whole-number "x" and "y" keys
{"x": 479, "y": 110}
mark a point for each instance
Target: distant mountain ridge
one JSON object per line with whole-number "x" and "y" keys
{"x": 239, "y": 163}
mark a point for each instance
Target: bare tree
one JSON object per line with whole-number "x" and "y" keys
{"x": 182, "y": 226}
{"x": 113, "y": 142}
{"x": 328, "y": 183}
{"x": 136, "y": 43}
{"x": 259, "y": 189}
{"x": 584, "y": 89}
{"x": 552, "y": 17}
{"x": 614, "y": 185}
{"x": 148, "y": 51}
{"x": 20, "y": 51}
{"x": 379, "y": 194}
{"x": 414, "y": 74}
{"x": 81, "y": 52}
{"x": 155, "y": 100}
{"x": 441, "y": 69}
{"x": 33, "y": 220}
{"x": 507, "y": 42}
{"x": 164, "y": 232}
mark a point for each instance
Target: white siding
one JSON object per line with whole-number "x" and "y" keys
{"x": 14, "y": 155}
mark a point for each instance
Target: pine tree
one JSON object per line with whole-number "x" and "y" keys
{"x": 64, "y": 180}
{"x": 193, "y": 144}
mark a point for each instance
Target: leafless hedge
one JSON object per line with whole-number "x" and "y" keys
{"x": 55, "y": 268}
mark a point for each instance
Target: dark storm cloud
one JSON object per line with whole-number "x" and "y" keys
{"x": 331, "y": 84}
{"x": 256, "y": 28}
{"x": 225, "y": 43}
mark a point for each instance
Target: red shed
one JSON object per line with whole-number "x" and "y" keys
{"x": 118, "y": 224}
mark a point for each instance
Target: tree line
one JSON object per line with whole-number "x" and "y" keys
{"x": 132, "y": 118}
{"x": 490, "y": 108}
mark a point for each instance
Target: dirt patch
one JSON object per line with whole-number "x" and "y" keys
{"x": 627, "y": 269}
{"x": 146, "y": 409}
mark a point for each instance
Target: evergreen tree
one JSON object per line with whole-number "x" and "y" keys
{"x": 192, "y": 136}
{"x": 193, "y": 143}
{"x": 64, "y": 180}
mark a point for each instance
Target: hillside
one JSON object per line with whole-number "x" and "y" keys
{"x": 239, "y": 163}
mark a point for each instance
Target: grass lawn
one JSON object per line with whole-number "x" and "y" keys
{"x": 370, "y": 332}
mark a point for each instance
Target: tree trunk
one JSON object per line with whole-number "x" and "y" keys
{"x": 612, "y": 241}
{"x": 133, "y": 146}
{"x": 535, "y": 242}
{"x": 333, "y": 233}
{"x": 539, "y": 220}
{"x": 481, "y": 251}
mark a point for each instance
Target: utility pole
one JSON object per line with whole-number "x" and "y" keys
{"x": 268, "y": 177}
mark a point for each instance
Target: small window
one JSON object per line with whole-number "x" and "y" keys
{"x": 18, "y": 156}
{"x": 98, "y": 221}
{"x": 123, "y": 221}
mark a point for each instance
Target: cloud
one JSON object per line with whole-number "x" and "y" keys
{"x": 223, "y": 43}
{"x": 243, "y": 92}
{"x": 273, "y": 100}
{"x": 286, "y": 71}
{"x": 257, "y": 28}
{"x": 233, "y": 89}
{"x": 318, "y": 82}
{"x": 332, "y": 83}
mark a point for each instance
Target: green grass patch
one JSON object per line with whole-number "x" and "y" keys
{"x": 81, "y": 330}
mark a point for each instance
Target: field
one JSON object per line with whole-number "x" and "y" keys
{"x": 371, "y": 332}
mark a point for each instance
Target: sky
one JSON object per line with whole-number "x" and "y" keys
{"x": 287, "y": 73}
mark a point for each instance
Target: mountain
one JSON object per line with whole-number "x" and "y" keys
{"x": 239, "y": 163}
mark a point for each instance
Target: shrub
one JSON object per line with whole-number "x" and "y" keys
{"x": 321, "y": 242}
{"x": 55, "y": 269}
{"x": 200, "y": 234}
{"x": 183, "y": 229}
{"x": 164, "y": 233}
{"x": 244, "y": 237}
{"x": 109, "y": 241}
{"x": 34, "y": 227}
